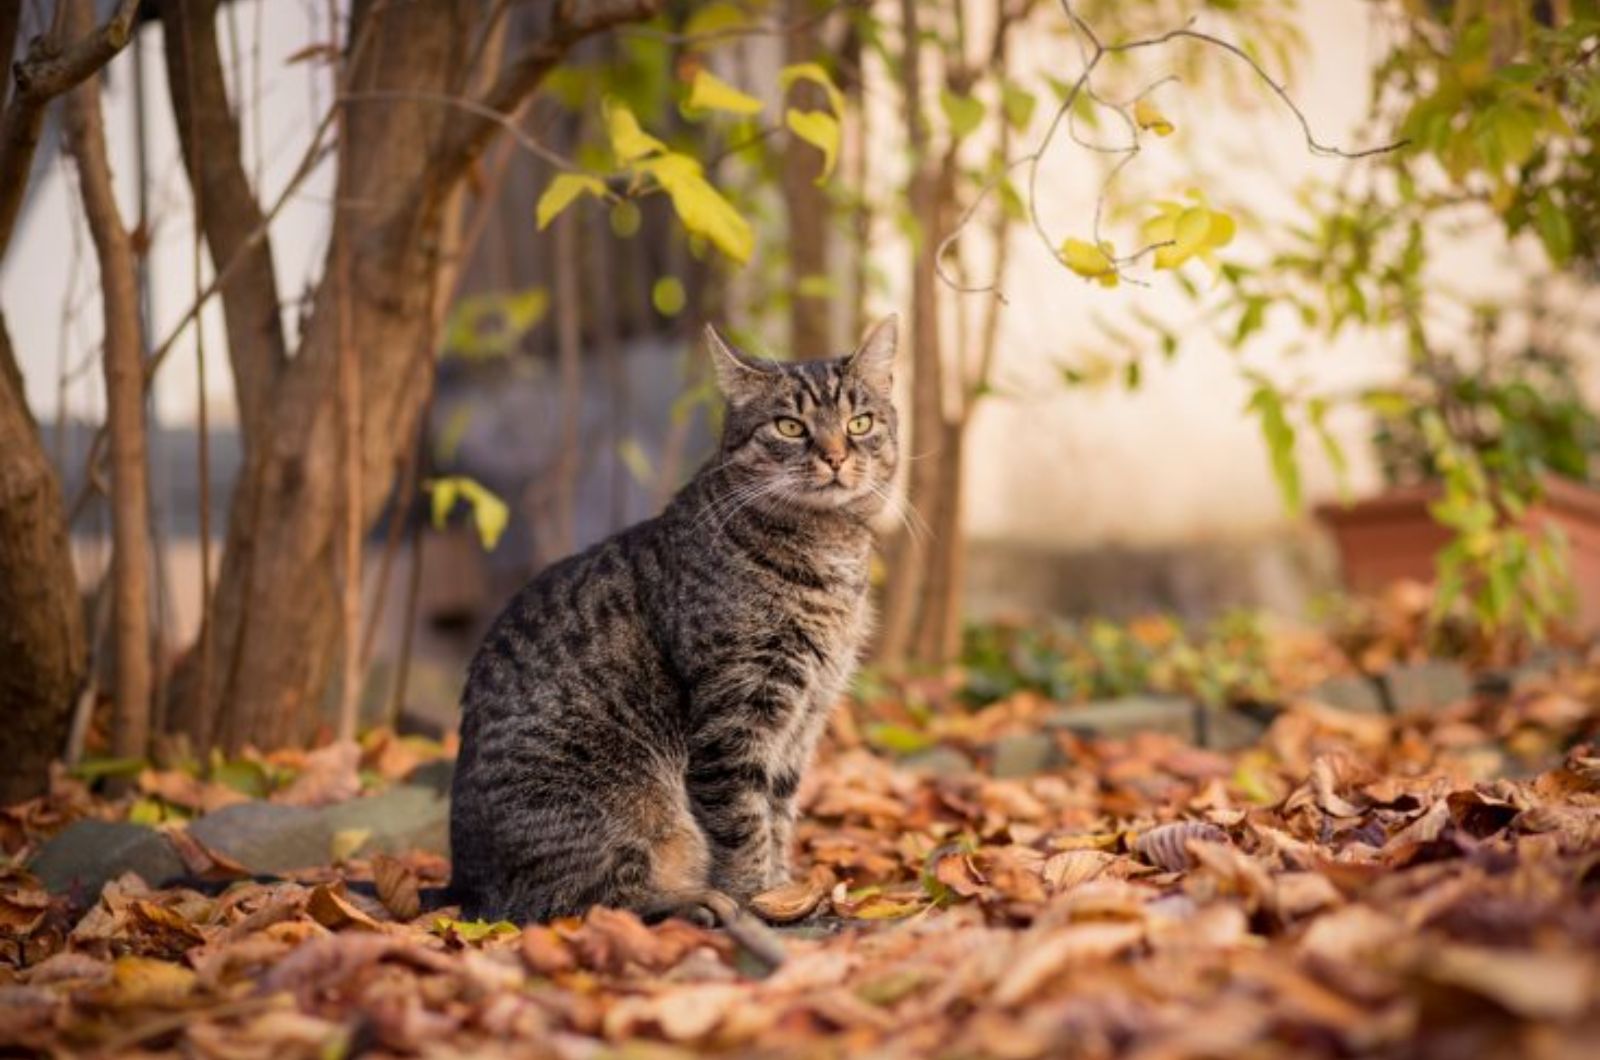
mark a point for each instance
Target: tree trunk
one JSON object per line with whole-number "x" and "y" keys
{"x": 907, "y": 562}
{"x": 41, "y": 619}
{"x": 806, "y": 204}
{"x": 124, "y": 376}
{"x": 275, "y": 614}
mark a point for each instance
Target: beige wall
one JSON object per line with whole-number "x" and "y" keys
{"x": 1177, "y": 461}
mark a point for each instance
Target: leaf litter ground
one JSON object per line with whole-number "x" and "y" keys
{"x": 1351, "y": 885}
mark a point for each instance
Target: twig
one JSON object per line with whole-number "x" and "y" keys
{"x": 1091, "y": 51}
{"x": 507, "y": 122}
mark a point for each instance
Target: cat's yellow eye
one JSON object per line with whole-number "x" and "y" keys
{"x": 790, "y": 428}
{"x": 860, "y": 424}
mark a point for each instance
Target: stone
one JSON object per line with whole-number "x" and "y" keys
{"x": 1024, "y": 755}
{"x": 1230, "y": 728}
{"x": 1358, "y": 694}
{"x": 406, "y": 817}
{"x": 88, "y": 854}
{"x": 1123, "y": 717}
{"x": 937, "y": 762}
{"x": 265, "y": 837}
{"x": 435, "y": 776}
{"x": 1428, "y": 685}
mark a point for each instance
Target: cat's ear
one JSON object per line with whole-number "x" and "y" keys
{"x": 740, "y": 376}
{"x": 873, "y": 361}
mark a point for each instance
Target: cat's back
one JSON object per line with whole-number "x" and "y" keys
{"x": 569, "y": 627}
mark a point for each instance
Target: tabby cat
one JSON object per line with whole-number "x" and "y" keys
{"x": 637, "y": 719}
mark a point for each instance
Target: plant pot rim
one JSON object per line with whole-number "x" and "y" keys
{"x": 1561, "y": 495}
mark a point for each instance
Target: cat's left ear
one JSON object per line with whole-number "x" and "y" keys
{"x": 740, "y": 376}
{"x": 873, "y": 361}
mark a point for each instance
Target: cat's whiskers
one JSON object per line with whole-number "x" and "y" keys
{"x": 904, "y": 511}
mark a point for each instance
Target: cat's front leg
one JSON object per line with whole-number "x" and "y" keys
{"x": 728, "y": 791}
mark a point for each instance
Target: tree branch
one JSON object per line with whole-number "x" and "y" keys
{"x": 230, "y": 215}
{"x": 571, "y": 21}
{"x": 49, "y": 70}
{"x": 1092, "y": 51}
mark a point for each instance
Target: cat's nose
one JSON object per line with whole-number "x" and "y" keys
{"x": 832, "y": 451}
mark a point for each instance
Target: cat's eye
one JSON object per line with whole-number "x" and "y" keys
{"x": 790, "y": 428}
{"x": 860, "y": 424}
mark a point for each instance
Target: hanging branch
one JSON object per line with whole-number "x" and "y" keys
{"x": 1092, "y": 51}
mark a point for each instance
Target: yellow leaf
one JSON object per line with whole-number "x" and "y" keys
{"x": 562, "y": 192}
{"x": 699, "y": 206}
{"x": 1088, "y": 260}
{"x": 347, "y": 841}
{"x": 821, "y": 130}
{"x": 444, "y": 492}
{"x": 1192, "y": 227}
{"x": 814, "y": 73}
{"x": 1148, "y": 117}
{"x": 146, "y": 982}
{"x": 710, "y": 92}
{"x": 1221, "y": 232}
{"x": 489, "y": 513}
{"x": 628, "y": 140}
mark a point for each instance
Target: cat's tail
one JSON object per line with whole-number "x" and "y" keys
{"x": 759, "y": 940}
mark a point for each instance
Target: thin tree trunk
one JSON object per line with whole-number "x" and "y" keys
{"x": 124, "y": 375}
{"x": 41, "y": 619}
{"x": 810, "y": 311}
{"x": 907, "y": 560}
{"x": 569, "y": 343}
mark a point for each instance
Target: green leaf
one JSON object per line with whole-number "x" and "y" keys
{"x": 472, "y": 930}
{"x": 897, "y": 738}
{"x": 628, "y": 141}
{"x": 718, "y": 17}
{"x": 667, "y": 296}
{"x": 709, "y": 92}
{"x": 1279, "y": 434}
{"x": 699, "y": 206}
{"x": 814, "y": 73}
{"x": 563, "y": 192}
{"x": 1018, "y": 103}
{"x": 964, "y": 113}
{"x": 625, "y": 219}
{"x": 819, "y": 129}
{"x": 636, "y": 460}
{"x": 1555, "y": 229}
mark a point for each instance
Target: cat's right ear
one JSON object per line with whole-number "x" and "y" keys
{"x": 740, "y": 377}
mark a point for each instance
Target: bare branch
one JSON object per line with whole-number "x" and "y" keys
{"x": 48, "y": 71}
{"x": 571, "y": 22}
{"x": 209, "y": 135}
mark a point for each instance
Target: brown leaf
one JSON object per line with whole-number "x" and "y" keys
{"x": 329, "y": 774}
{"x": 202, "y": 861}
{"x": 1040, "y": 960}
{"x": 545, "y": 951}
{"x": 330, "y": 906}
{"x": 1536, "y": 985}
{"x": 1166, "y": 845}
{"x": 397, "y": 887}
{"x": 797, "y": 899}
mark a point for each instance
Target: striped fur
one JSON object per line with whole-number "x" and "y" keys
{"x": 637, "y": 720}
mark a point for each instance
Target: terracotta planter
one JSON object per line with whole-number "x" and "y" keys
{"x": 1391, "y": 536}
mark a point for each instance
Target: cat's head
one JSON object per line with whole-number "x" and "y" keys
{"x": 817, "y": 435}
